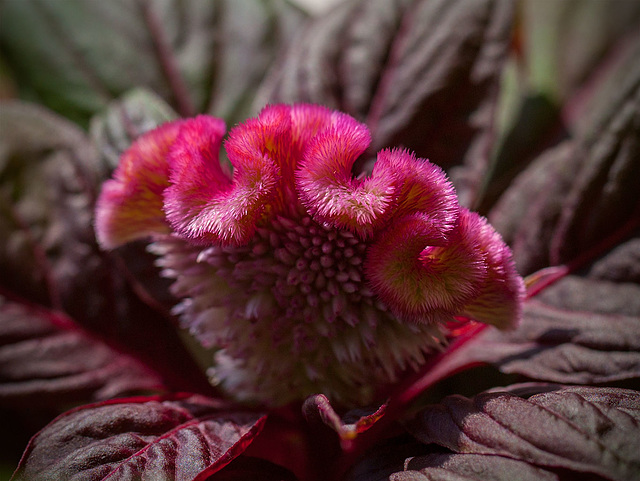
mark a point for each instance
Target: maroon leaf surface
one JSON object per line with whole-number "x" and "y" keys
{"x": 577, "y": 206}
{"x": 184, "y": 437}
{"x": 46, "y": 361}
{"x": 478, "y": 467}
{"x": 569, "y": 76}
{"x": 49, "y": 177}
{"x": 386, "y": 458}
{"x": 421, "y": 74}
{"x": 579, "y": 429}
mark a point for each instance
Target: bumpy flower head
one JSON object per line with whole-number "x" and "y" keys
{"x": 299, "y": 276}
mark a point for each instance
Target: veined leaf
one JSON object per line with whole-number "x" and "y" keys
{"x": 580, "y": 429}
{"x": 182, "y": 437}
{"x": 544, "y": 433}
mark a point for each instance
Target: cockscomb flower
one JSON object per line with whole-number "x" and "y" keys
{"x": 299, "y": 276}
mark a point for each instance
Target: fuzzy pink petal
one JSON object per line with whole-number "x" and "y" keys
{"x": 268, "y": 137}
{"x": 307, "y": 121}
{"x": 130, "y": 205}
{"x": 420, "y": 187}
{"x": 327, "y": 188}
{"x": 204, "y": 203}
{"x": 501, "y": 295}
{"x": 267, "y": 134}
{"x": 421, "y": 273}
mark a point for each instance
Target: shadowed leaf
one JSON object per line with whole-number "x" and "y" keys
{"x": 573, "y": 54}
{"x": 470, "y": 467}
{"x": 575, "y": 195}
{"x": 49, "y": 176}
{"x": 580, "y": 329}
{"x": 46, "y": 361}
{"x": 245, "y": 468}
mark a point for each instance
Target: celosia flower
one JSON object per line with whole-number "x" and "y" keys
{"x": 300, "y": 276}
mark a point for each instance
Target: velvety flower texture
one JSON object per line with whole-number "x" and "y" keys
{"x": 300, "y": 277}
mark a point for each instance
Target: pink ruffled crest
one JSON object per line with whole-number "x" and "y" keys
{"x": 130, "y": 205}
{"x": 268, "y": 135}
{"x": 307, "y": 120}
{"x": 420, "y": 186}
{"x": 422, "y": 274}
{"x": 499, "y": 301}
{"x": 327, "y": 187}
{"x": 204, "y": 203}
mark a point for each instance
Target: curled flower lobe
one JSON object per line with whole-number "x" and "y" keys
{"x": 500, "y": 297}
{"x": 425, "y": 276}
{"x": 204, "y": 203}
{"x": 302, "y": 277}
{"x": 327, "y": 187}
{"x": 130, "y": 205}
{"x": 422, "y": 274}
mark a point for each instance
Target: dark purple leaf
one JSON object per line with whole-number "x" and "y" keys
{"x": 80, "y": 54}
{"x": 579, "y": 429}
{"x": 386, "y": 458}
{"x": 581, "y": 329}
{"x": 470, "y": 467}
{"x": 422, "y": 74}
{"x": 49, "y": 176}
{"x": 573, "y": 196}
{"x": 569, "y": 76}
{"x": 183, "y": 437}
{"x": 525, "y": 218}
{"x": 47, "y": 361}
{"x": 573, "y": 203}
